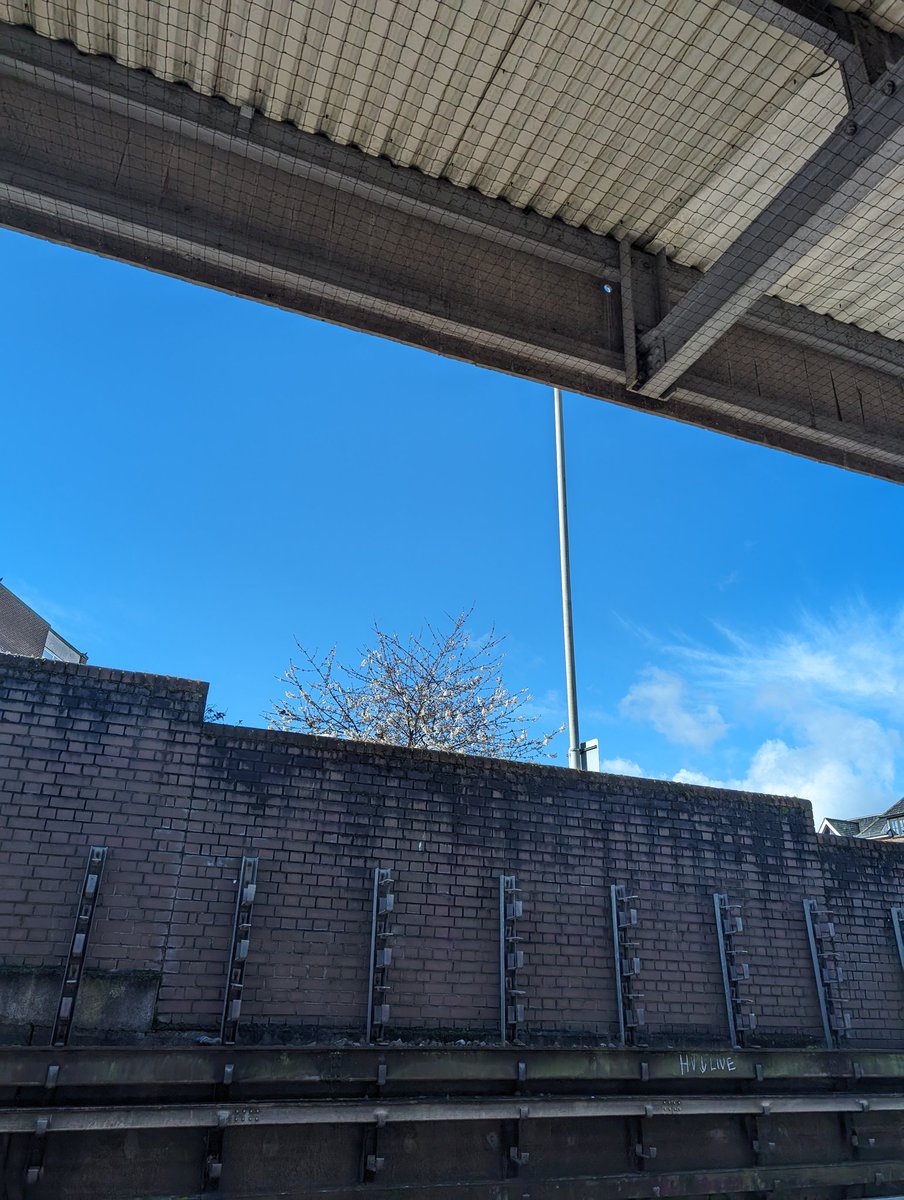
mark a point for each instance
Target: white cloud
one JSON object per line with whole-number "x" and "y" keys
{"x": 621, "y": 766}
{"x": 825, "y": 699}
{"x": 855, "y": 655}
{"x": 661, "y": 698}
{"x": 843, "y": 764}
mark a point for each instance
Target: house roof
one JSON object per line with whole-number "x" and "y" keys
{"x": 23, "y": 631}
{"x": 871, "y": 826}
{"x": 844, "y": 828}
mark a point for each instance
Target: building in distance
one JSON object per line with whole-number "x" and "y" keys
{"x": 884, "y": 827}
{"x": 23, "y": 631}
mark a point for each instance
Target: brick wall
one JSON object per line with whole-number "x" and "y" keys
{"x": 92, "y": 756}
{"x": 863, "y": 881}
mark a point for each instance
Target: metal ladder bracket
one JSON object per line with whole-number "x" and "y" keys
{"x": 246, "y": 890}
{"x": 38, "y": 1148}
{"x": 826, "y": 974}
{"x": 372, "y": 1161}
{"x": 897, "y": 924}
{"x": 631, "y": 1013}
{"x": 735, "y": 970}
{"x": 75, "y": 961}
{"x": 245, "y": 897}
{"x": 511, "y": 960}
{"x": 382, "y": 905}
{"x": 512, "y": 1143}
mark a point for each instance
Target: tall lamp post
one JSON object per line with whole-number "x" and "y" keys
{"x": 582, "y": 756}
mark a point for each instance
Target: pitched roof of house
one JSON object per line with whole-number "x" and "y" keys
{"x": 872, "y": 826}
{"x": 845, "y": 828}
{"x": 896, "y": 810}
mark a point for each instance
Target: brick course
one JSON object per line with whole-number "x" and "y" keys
{"x": 94, "y": 756}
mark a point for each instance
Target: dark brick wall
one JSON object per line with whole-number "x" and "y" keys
{"x": 863, "y": 881}
{"x": 92, "y": 756}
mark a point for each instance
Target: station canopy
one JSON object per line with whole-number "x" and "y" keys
{"x": 692, "y": 206}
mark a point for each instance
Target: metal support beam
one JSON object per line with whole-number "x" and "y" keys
{"x": 897, "y": 923}
{"x": 810, "y": 22}
{"x": 866, "y": 147}
{"x": 827, "y": 974}
{"x": 735, "y": 969}
{"x": 357, "y": 1112}
{"x": 246, "y": 889}
{"x": 784, "y": 1180}
{"x": 556, "y": 1122}
{"x": 258, "y": 1070}
{"x": 512, "y": 1144}
{"x": 382, "y": 905}
{"x": 213, "y": 1159}
{"x": 616, "y": 962}
{"x": 34, "y": 1168}
{"x": 822, "y": 24}
{"x": 371, "y": 1161}
{"x": 260, "y": 209}
{"x": 216, "y": 1136}
{"x": 626, "y": 289}
{"x": 809, "y": 906}
{"x": 720, "y": 902}
{"x": 631, "y": 1014}
{"x": 78, "y": 947}
{"x": 511, "y": 960}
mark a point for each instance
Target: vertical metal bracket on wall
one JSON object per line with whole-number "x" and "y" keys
{"x": 372, "y": 1161}
{"x": 826, "y": 973}
{"x": 213, "y": 1159}
{"x": 631, "y": 1015}
{"x": 511, "y": 960}
{"x": 511, "y": 1143}
{"x": 383, "y": 903}
{"x": 897, "y": 924}
{"x": 761, "y": 1142}
{"x": 238, "y": 954}
{"x": 644, "y": 1151}
{"x": 661, "y": 297}
{"x": 735, "y": 970}
{"x": 629, "y": 329}
{"x": 35, "y": 1166}
{"x": 75, "y": 962}
{"x": 661, "y": 278}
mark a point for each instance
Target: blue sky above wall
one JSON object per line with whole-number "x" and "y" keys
{"x": 190, "y": 481}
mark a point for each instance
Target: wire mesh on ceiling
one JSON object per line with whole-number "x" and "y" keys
{"x": 460, "y": 174}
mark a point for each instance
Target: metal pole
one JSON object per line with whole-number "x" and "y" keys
{"x": 369, "y": 1028}
{"x": 817, "y": 974}
{"x": 897, "y": 918}
{"x": 574, "y": 737}
{"x": 617, "y": 950}
{"x": 502, "y": 996}
{"x": 723, "y": 960}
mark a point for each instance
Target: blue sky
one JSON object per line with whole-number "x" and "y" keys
{"x": 190, "y": 481}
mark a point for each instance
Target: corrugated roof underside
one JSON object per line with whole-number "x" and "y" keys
{"x": 674, "y": 121}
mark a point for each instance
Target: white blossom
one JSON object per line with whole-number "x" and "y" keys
{"x": 438, "y": 691}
